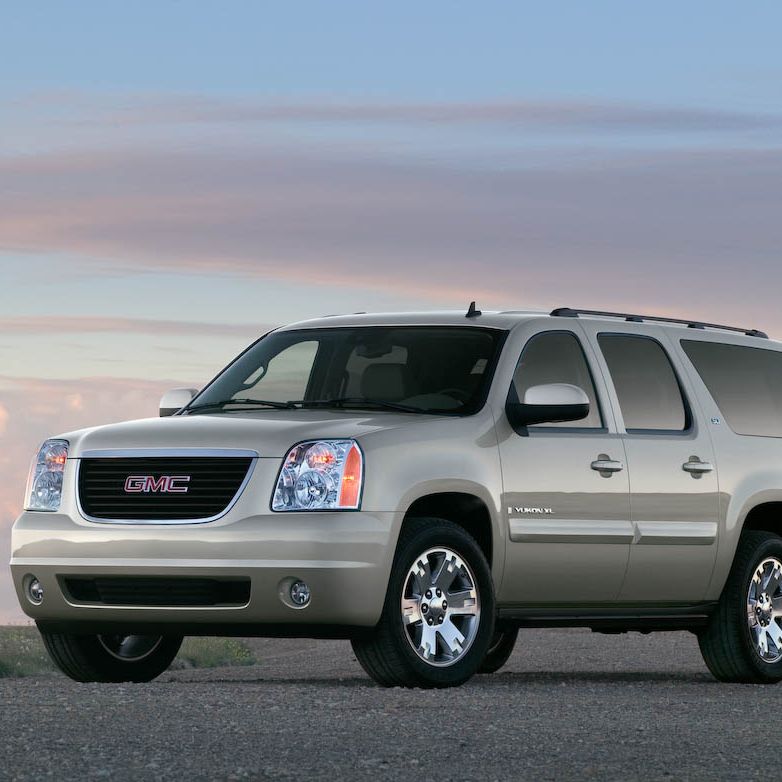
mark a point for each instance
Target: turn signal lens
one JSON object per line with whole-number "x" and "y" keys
{"x": 320, "y": 475}
{"x": 351, "y": 479}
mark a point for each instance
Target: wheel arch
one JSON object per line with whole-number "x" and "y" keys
{"x": 756, "y": 511}
{"x": 473, "y": 512}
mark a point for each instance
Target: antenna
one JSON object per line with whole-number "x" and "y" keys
{"x": 472, "y": 312}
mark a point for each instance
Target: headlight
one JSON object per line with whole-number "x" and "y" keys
{"x": 320, "y": 475}
{"x": 44, "y": 486}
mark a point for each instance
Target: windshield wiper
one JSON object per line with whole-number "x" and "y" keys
{"x": 244, "y": 402}
{"x": 357, "y": 401}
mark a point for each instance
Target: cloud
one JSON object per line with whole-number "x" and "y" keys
{"x": 677, "y": 229}
{"x": 61, "y": 324}
{"x": 3, "y": 419}
{"x": 565, "y": 116}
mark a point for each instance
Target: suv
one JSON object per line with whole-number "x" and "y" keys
{"x": 425, "y": 485}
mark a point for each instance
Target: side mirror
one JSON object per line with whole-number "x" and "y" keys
{"x": 174, "y": 400}
{"x": 548, "y": 404}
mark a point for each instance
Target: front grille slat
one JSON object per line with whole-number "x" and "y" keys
{"x": 157, "y": 591}
{"x": 214, "y": 483}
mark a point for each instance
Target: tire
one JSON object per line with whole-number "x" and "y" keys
{"x": 438, "y": 554}
{"x": 99, "y": 658}
{"x": 500, "y": 650}
{"x": 731, "y": 644}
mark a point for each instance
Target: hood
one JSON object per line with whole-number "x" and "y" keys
{"x": 269, "y": 432}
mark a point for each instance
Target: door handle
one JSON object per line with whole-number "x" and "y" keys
{"x": 696, "y": 467}
{"x": 606, "y": 466}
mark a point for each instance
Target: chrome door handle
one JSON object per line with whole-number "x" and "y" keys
{"x": 696, "y": 467}
{"x": 606, "y": 466}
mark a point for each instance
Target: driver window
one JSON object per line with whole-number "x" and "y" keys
{"x": 285, "y": 377}
{"x": 557, "y": 357}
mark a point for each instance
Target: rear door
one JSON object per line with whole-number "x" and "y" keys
{"x": 673, "y": 478}
{"x": 568, "y": 520}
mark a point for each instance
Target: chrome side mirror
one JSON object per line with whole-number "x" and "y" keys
{"x": 174, "y": 400}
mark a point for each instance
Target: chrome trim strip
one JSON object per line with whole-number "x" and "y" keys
{"x": 571, "y": 531}
{"x": 152, "y": 452}
{"x": 676, "y": 533}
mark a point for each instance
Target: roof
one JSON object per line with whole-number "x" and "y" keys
{"x": 497, "y": 320}
{"x": 509, "y": 319}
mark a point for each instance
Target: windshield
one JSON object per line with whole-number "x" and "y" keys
{"x": 432, "y": 369}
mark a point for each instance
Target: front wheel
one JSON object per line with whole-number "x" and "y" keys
{"x": 438, "y": 616}
{"x": 111, "y": 658}
{"x": 743, "y": 641}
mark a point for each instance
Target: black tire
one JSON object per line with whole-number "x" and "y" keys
{"x": 387, "y": 655}
{"x": 727, "y": 644}
{"x": 88, "y": 658}
{"x": 500, "y": 650}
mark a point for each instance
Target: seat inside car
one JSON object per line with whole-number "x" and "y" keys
{"x": 387, "y": 381}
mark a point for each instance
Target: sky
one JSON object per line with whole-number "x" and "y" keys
{"x": 177, "y": 177}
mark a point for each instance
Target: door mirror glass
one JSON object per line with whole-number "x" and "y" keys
{"x": 174, "y": 400}
{"x": 549, "y": 404}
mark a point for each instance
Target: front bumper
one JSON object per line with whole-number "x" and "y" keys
{"x": 344, "y": 557}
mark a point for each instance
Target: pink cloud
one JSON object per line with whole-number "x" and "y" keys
{"x": 92, "y": 324}
{"x": 608, "y": 233}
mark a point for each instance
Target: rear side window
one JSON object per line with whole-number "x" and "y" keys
{"x": 557, "y": 357}
{"x": 746, "y": 384}
{"x": 647, "y": 387}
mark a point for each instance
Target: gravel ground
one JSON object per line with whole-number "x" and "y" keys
{"x": 569, "y": 705}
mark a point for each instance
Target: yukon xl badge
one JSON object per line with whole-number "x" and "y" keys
{"x": 515, "y": 510}
{"x": 165, "y": 484}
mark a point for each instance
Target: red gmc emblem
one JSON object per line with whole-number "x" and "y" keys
{"x": 165, "y": 484}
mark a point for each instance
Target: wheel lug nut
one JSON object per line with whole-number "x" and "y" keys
{"x": 429, "y": 593}
{"x": 430, "y": 620}
{"x": 439, "y": 593}
{"x": 445, "y": 605}
{"x": 440, "y": 620}
{"x": 424, "y": 608}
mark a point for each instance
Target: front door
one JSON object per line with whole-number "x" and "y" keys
{"x": 673, "y": 477}
{"x": 566, "y": 489}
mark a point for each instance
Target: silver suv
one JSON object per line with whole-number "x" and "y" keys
{"x": 425, "y": 485}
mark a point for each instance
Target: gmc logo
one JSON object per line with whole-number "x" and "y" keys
{"x": 165, "y": 484}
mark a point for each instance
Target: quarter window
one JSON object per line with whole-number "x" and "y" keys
{"x": 648, "y": 390}
{"x": 746, "y": 384}
{"x": 557, "y": 357}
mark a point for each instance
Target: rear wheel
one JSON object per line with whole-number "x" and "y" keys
{"x": 743, "y": 641}
{"x": 500, "y": 650}
{"x": 111, "y": 658}
{"x": 438, "y": 616}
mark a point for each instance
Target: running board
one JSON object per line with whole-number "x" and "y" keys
{"x": 620, "y": 620}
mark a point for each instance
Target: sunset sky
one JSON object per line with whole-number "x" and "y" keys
{"x": 176, "y": 177}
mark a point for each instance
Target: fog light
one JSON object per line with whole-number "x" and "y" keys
{"x": 34, "y": 591}
{"x": 300, "y": 593}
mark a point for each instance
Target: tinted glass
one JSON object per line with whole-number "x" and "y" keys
{"x": 649, "y": 394}
{"x": 436, "y": 369}
{"x": 746, "y": 384}
{"x": 557, "y": 357}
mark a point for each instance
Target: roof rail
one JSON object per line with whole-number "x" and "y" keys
{"x": 567, "y": 312}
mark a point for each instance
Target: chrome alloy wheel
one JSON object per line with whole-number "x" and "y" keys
{"x": 440, "y": 607}
{"x": 130, "y": 648}
{"x": 764, "y": 610}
